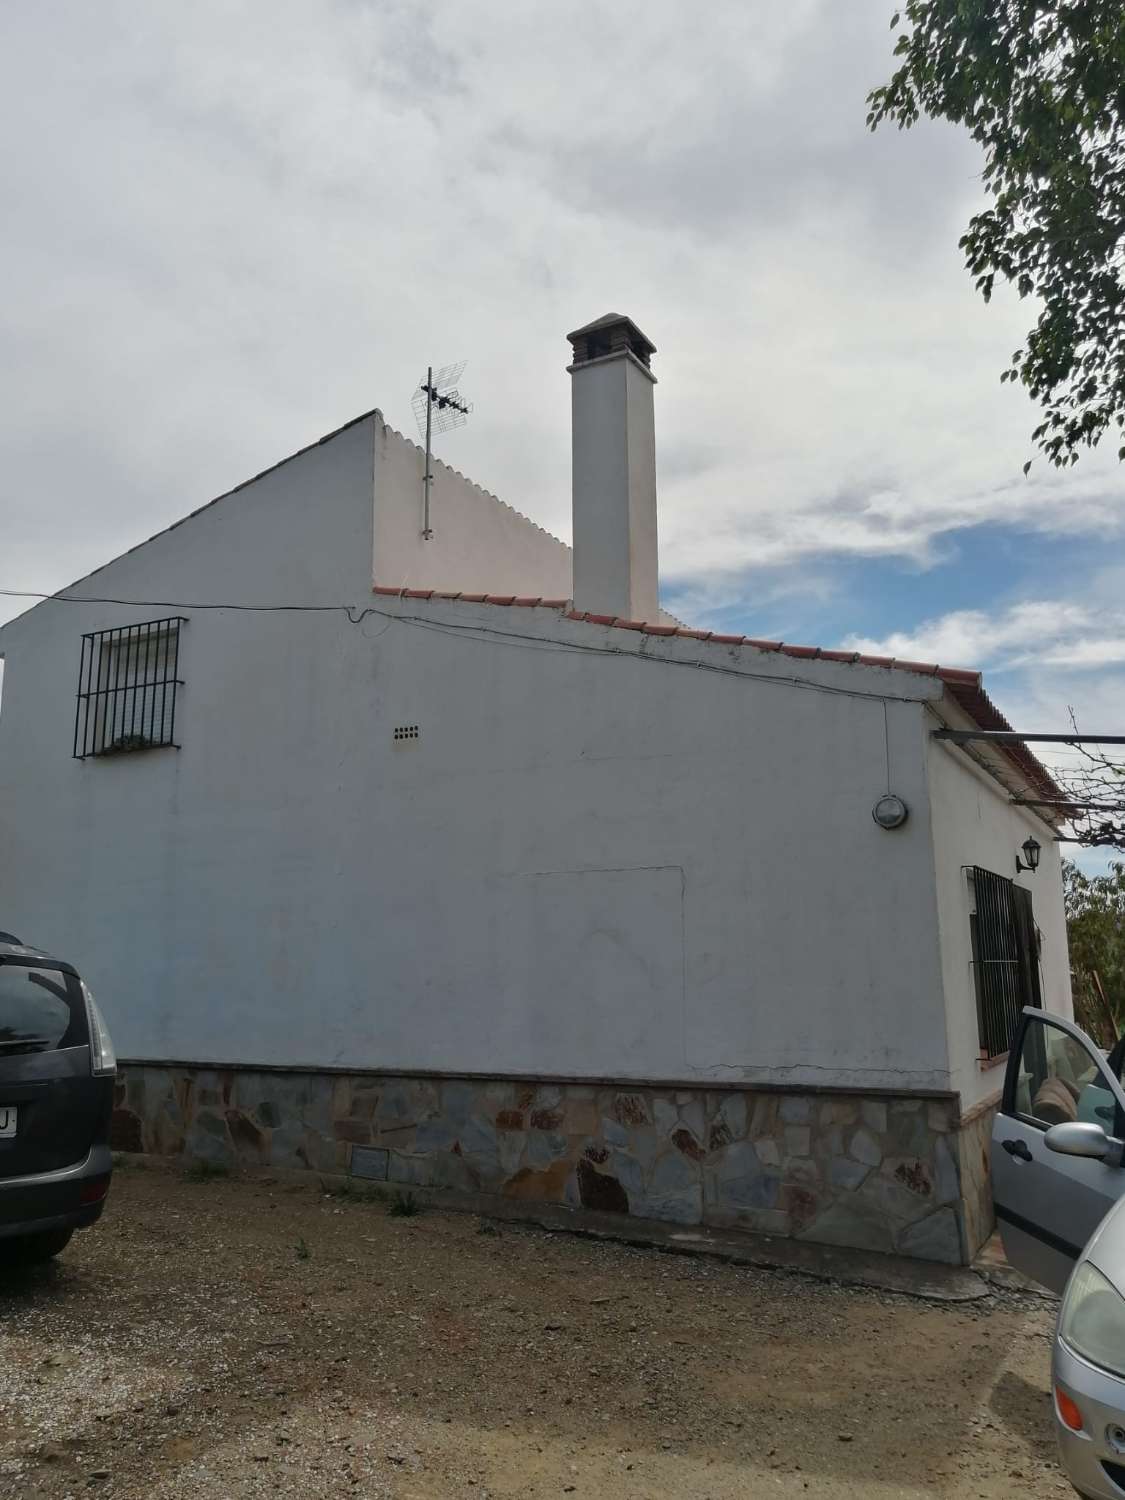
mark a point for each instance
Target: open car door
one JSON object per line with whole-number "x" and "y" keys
{"x": 1049, "y": 1201}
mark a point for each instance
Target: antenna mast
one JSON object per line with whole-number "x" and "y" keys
{"x": 438, "y": 407}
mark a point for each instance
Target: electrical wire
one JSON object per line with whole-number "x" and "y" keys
{"x": 356, "y": 614}
{"x": 490, "y": 634}
{"x": 167, "y": 604}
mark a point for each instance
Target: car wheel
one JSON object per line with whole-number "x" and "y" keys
{"x": 32, "y": 1249}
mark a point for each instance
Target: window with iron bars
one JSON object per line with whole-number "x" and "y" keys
{"x": 1005, "y": 943}
{"x": 127, "y": 682}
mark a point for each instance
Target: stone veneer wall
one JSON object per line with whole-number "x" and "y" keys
{"x": 974, "y": 1143}
{"x": 875, "y": 1172}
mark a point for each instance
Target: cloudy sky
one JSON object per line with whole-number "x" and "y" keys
{"x": 230, "y": 226}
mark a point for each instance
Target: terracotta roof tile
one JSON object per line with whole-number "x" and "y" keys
{"x": 924, "y": 668}
{"x": 966, "y": 689}
{"x": 807, "y": 653}
{"x": 959, "y": 675}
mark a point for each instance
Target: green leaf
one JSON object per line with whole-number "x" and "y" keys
{"x": 1038, "y": 88}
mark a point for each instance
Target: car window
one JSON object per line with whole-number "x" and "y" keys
{"x": 40, "y": 1010}
{"x": 1059, "y": 1079}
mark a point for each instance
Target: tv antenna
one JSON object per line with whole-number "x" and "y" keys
{"x": 438, "y": 407}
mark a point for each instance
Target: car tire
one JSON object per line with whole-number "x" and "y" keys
{"x": 33, "y": 1249}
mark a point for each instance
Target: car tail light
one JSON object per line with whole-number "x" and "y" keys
{"x": 1068, "y": 1410}
{"x": 94, "y": 1190}
{"x": 103, "y": 1059}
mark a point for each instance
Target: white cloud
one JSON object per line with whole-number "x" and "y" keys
{"x": 1050, "y": 633}
{"x": 224, "y": 236}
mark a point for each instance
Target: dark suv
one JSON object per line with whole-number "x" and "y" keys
{"x": 56, "y": 1093}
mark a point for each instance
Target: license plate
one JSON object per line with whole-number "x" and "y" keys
{"x": 7, "y": 1121}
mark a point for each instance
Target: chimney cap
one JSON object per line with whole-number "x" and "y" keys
{"x": 613, "y": 333}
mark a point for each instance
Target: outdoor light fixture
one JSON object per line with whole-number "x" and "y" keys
{"x": 890, "y": 811}
{"x": 1031, "y": 849}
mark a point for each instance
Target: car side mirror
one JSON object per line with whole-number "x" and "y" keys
{"x": 1080, "y": 1138}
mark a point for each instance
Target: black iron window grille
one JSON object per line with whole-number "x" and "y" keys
{"x": 1005, "y": 957}
{"x": 127, "y": 683}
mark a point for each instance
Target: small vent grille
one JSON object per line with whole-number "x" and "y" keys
{"x": 406, "y": 732}
{"x": 370, "y": 1161}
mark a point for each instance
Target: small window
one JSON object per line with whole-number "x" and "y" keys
{"x": 1005, "y": 944}
{"x": 127, "y": 683}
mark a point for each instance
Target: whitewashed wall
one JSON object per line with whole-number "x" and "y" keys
{"x": 589, "y": 863}
{"x": 585, "y": 865}
{"x": 604, "y": 865}
{"x": 479, "y": 544}
{"x": 974, "y": 823}
{"x": 172, "y": 876}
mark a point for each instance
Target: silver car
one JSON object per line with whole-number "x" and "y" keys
{"x": 1059, "y": 1188}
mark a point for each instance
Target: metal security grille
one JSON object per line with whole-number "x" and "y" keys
{"x": 127, "y": 683}
{"x": 1005, "y": 958}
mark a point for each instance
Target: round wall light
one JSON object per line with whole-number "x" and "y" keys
{"x": 890, "y": 811}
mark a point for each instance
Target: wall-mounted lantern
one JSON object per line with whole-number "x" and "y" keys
{"x": 1031, "y": 849}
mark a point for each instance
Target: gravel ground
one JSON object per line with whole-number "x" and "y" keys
{"x": 244, "y": 1338}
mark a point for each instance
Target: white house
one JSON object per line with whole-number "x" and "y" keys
{"x": 429, "y": 858}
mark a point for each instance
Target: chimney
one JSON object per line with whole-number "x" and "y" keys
{"x": 613, "y": 448}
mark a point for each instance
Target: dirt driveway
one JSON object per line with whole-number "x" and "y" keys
{"x": 231, "y": 1339}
